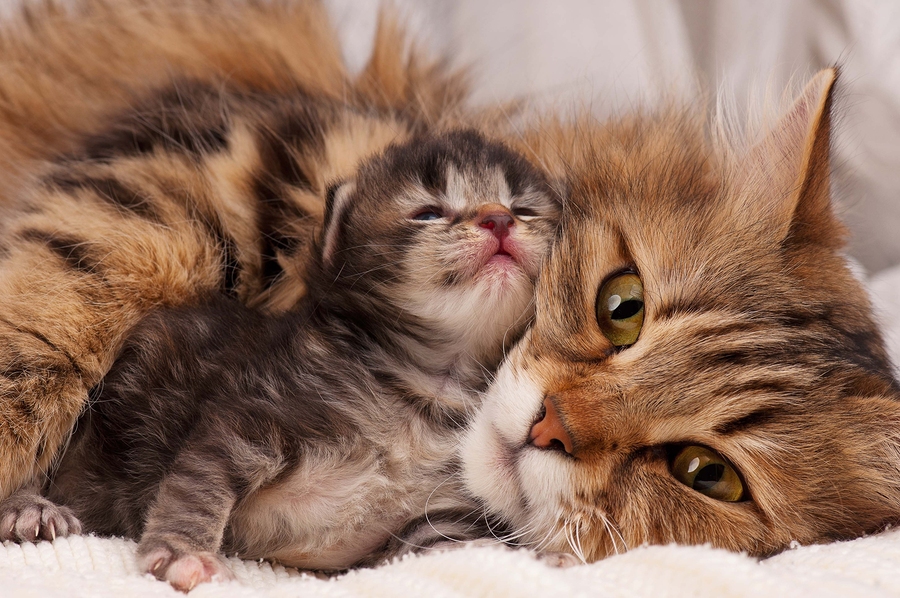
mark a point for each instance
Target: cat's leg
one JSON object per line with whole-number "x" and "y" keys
{"x": 26, "y": 516}
{"x": 76, "y": 274}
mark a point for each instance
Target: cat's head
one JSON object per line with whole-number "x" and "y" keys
{"x": 443, "y": 234}
{"x": 703, "y": 367}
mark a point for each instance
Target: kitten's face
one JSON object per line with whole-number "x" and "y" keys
{"x": 702, "y": 367}
{"x": 451, "y": 229}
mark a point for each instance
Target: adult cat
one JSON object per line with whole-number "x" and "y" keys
{"x": 703, "y": 367}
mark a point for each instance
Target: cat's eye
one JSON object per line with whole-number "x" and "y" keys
{"x": 428, "y": 214}
{"x": 708, "y": 473}
{"x": 620, "y": 309}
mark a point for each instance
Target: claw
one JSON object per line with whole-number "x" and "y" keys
{"x": 37, "y": 531}
{"x": 52, "y": 530}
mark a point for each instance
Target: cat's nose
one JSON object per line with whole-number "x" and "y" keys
{"x": 496, "y": 219}
{"x": 549, "y": 433}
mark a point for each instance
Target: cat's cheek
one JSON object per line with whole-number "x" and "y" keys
{"x": 529, "y": 250}
{"x": 496, "y": 437}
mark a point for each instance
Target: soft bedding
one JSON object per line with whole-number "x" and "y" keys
{"x": 99, "y": 567}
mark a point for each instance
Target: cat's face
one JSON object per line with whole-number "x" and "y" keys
{"x": 702, "y": 367}
{"x": 450, "y": 231}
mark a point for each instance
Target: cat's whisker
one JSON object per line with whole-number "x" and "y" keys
{"x": 609, "y": 532}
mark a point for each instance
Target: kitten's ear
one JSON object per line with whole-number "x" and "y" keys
{"x": 785, "y": 179}
{"x": 337, "y": 200}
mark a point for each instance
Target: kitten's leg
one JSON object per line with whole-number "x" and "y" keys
{"x": 26, "y": 516}
{"x": 186, "y": 524}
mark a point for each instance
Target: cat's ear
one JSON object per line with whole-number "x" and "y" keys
{"x": 785, "y": 179}
{"x": 337, "y": 201}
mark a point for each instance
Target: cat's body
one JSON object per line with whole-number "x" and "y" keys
{"x": 712, "y": 374}
{"x": 325, "y": 437}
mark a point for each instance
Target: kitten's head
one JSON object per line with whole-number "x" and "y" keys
{"x": 441, "y": 237}
{"x": 703, "y": 366}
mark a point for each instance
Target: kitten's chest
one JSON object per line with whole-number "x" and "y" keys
{"x": 339, "y": 506}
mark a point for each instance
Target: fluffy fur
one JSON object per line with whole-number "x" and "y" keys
{"x": 757, "y": 343}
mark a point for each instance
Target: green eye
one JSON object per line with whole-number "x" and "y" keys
{"x": 620, "y": 309}
{"x": 708, "y": 473}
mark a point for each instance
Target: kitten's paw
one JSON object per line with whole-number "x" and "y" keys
{"x": 184, "y": 570}
{"x": 28, "y": 517}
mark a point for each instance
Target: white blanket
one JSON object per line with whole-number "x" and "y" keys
{"x": 98, "y": 567}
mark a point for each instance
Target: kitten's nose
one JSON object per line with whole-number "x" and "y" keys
{"x": 549, "y": 432}
{"x": 496, "y": 219}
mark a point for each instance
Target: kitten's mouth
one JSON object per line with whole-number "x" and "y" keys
{"x": 502, "y": 254}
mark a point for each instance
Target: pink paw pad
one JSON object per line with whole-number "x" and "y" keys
{"x": 186, "y": 571}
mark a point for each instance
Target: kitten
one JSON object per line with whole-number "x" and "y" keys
{"x": 323, "y": 438}
{"x": 703, "y": 366}
{"x": 186, "y": 153}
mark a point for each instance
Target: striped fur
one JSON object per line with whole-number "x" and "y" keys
{"x": 757, "y": 343}
{"x": 155, "y": 151}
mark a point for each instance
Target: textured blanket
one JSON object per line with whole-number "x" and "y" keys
{"x": 100, "y": 567}
{"x": 90, "y": 566}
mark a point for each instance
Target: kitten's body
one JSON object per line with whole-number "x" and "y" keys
{"x": 184, "y": 149}
{"x": 325, "y": 437}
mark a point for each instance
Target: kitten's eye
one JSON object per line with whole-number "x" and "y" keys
{"x": 428, "y": 214}
{"x": 620, "y": 309}
{"x": 708, "y": 473}
{"x": 524, "y": 213}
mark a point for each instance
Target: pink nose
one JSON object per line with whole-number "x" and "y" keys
{"x": 549, "y": 433}
{"x": 497, "y": 220}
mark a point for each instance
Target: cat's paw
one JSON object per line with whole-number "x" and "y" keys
{"x": 28, "y": 517}
{"x": 183, "y": 569}
{"x": 560, "y": 560}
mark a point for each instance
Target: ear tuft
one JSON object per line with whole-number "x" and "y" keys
{"x": 337, "y": 202}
